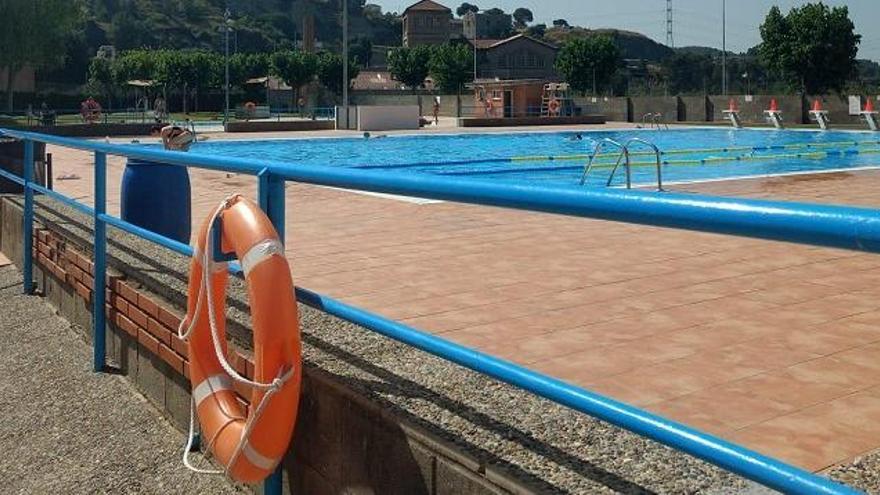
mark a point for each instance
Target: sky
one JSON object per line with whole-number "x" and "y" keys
{"x": 695, "y": 22}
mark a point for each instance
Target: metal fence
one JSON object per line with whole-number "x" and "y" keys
{"x": 819, "y": 225}
{"x": 50, "y": 118}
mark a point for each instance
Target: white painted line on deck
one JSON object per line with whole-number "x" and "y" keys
{"x": 395, "y": 197}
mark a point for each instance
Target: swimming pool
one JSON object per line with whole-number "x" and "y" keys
{"x": 690, "y": 154}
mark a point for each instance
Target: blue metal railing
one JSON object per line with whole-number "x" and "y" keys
{"x": 833, "y": 226}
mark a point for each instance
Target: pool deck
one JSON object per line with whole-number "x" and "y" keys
{"x": 768, "y": 344}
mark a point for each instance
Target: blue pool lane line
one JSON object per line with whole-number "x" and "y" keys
{"x": 550, "y": 158}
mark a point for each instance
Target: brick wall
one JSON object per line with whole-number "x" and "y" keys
{"x": 144, "y": 318}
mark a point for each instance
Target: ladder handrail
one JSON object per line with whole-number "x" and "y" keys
{"x": 598, "y": 148}
{"x": 658, "y": 119}
{"x": 654, "y": 147}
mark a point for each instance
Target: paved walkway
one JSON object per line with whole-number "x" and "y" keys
{"x": 768, "y": 344}
{"x": 68, "y": 430}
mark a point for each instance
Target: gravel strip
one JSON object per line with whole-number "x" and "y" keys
{"x": 545, "y": 446}
{"x": 69, "y": 430}
{"x": 863, "y": 472}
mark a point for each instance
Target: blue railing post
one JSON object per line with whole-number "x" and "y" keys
{"x": 28, "y": 234}
{"x": 270, "y": 195}
{"x": 100, "y": 286}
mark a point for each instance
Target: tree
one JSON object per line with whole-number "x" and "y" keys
{"x": 295, "y": 68}
{"x": 34, "y": 33}
{"x": 494, "y": 11}
{"x": 102, "y": 81}
{"x": 813, "y": 47}
{"x": 465, "y": 7}
{"x": 206, "y": 71}
{"x": 537, "y": 31}
{"x": 330, "y": 71}
{"x": 245, "y": 66}
{"x": 410, "y": 65}
{"x": 451, "y": 66}
{"x": 589, "y": 62}
{"x": 560, "y": 23}
{"x": 361, "y": 50}
{"x": 522, "y": 17}
{"x": 689, "y": 72}
{"x": 134, "y": 65}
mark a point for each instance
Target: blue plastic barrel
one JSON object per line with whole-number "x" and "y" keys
{"x": 156, "y": 197}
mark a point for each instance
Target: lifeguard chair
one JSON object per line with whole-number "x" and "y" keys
{"x": 870, "y": 115}
{"x": 819, "y": 115}
{"x": 556, "y": 100}
{"x": 774, "y": 114}
{"x": 732, "y": 114}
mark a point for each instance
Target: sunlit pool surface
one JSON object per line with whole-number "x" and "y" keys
{"x": 688, "y": 154}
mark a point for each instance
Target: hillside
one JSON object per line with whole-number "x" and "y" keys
{"x": 257, "y": 26}
{"x": 631, "y": 44}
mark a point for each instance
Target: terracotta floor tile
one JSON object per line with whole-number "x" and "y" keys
{"x": 800, "y": 441}
{"x": 794, "y": 391}
{"x": 792, "y": 292}
{"x": 726, "y": 409}
{"x": 588, "y": 366}
{"x": 846, "y": 374}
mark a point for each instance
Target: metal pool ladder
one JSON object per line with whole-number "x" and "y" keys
{"x": 623, "y": 156}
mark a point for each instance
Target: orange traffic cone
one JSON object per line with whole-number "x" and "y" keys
{"x": 817, "y": 105}
{"x": 731, "y": 105}
{"x": 774, "y": 107}
{"x": 869, "y": 105}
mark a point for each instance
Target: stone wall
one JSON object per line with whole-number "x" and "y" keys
{"x": 615, "y": 109}
{"x": 792, "y": 107}
{"x": 693, "y": 109}
{"x": 666, "y": 106}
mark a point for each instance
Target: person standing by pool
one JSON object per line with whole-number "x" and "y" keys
{"x": 160, "y": 109}
{"x": 436, "y": 110}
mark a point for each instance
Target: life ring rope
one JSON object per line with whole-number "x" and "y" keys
{"x": 215, "y": 383}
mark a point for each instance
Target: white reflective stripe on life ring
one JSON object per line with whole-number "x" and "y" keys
{"x": 258, "y": 459}
{"x": 259, "y": 253}
{"x": 209, "y": 387}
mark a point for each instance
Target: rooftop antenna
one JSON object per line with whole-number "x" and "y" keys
{"x": 669, "y": 40}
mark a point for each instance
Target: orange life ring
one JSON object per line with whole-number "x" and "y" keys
{"x": 249, "y": 448}
{"x": 553, "y": 106}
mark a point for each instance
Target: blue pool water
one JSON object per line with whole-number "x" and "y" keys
{"x": 688, "y": 154}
